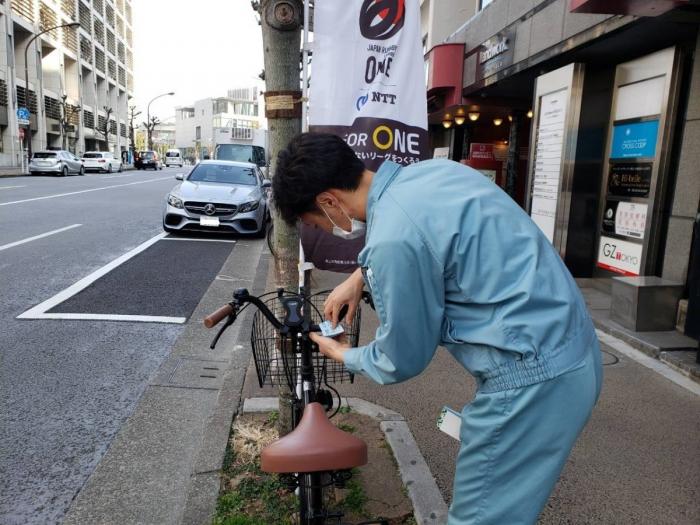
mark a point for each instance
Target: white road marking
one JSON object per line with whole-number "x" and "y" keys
{"x": 110, "y": 317}
{"x": 11, "y": 187}
{"x": 81, "y": 191}
{"x": 39, "y": 311}
{"x": 197, "y": 239}
{"x": 41, "y": 236}
{"x": 118, "y": 176}
{"x": 649, "y": 362}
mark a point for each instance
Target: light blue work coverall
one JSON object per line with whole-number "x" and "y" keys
{"x": 451, "y": 260}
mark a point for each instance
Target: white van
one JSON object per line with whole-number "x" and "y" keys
{"x": 173, "y": 157}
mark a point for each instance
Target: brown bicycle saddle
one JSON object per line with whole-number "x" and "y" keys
{"x": 314, "y": 445}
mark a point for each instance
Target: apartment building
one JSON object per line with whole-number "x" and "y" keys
{"x": 79, "y": 79}
{"x": 235, "y": 118}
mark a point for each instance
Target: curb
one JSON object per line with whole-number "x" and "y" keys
{"x": 428, "y": 505}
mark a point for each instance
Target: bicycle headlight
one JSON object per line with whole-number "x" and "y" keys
{"x": 248, "y": 206}
{"x": 174, "y": 201}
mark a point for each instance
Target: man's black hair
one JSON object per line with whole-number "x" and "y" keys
{"x": 312, "y": 163}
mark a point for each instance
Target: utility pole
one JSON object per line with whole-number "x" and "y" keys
{"x": 281, "y": 23}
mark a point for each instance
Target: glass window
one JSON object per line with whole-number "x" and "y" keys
{"x": 45, "y": 155}
{"x": 92, "y": 156}
{"x": 237, "y": 152}
{"x": 223, "y": 173}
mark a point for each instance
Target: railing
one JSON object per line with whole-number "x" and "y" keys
{"x": 112, "y": 127}
{"x": 122, "y": 76}
{"x": 110, "y": 42}
{"x": 109, "y": 15}
{"x": 69, "y": 8}
{"x": 47, "y": 18}
{"x": 85, "y": 17}
{"x": 101, "y": 121}
{"x": 99, "y": 60}
{"x": 242, "y": 133}
{"x": 120, "y": 27}
{"x": 52, "y": 108}
{"x": 121, "y": 52}
{"x": 24, "y": 8}
{"x": 88, "y": 119}
{"x": 70, "y": 39}
{"x": 99, "y": 32}
{"x": 122, "y": 129}
{"x": 3, "y": 92}
{"x": 23, "y": 102}
{"x": 98, "y": 5}
{"x": 85, "y": 49}
{"x": 112, "y": 69}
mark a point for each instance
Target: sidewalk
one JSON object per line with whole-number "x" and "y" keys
{"x": 634, "y": 463}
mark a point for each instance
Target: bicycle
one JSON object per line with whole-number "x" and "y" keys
{"x": 316, "y": 454}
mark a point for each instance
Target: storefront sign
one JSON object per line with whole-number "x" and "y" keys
{"x": 625, "y": 218}
{"x": 548, "y": 154}
{"x": 441, "y": 153}
{"x": 495, "y": 54}
{"x": 620, "y": 256}
{"x": 478, "y": 150}
{"x": 629, "y": 179}
{"x": 634, "y": 140}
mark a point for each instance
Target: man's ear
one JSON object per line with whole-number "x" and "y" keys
{"x": 325, "y": 199}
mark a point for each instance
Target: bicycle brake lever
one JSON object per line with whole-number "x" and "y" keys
{"x": 229, "y": 321}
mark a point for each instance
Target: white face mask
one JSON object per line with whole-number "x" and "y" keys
{"x": 357, "y": 228}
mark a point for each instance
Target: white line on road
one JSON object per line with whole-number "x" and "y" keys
{"x": 30, "y": 239}
{"x": 197, "y": 239}
{"x": 11, "y": 187}
{"x": 118, "y": 176}
{"x": 649, "y": 362}
{"x": 82, "y": 191}
{"x": 110, "y": 317}
{"x": 39, "y": 311}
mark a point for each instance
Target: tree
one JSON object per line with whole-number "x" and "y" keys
{"x": 150, "y": 126}
{"x": 68, "y": 112}
{"x": 281, "y": 23}
{"x": 104, "y": 129}
{"x": 132, "y": 115}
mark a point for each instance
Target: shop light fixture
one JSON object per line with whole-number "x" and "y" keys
{"x": 497, "y": 121}
{"x": 460, "y": 117}
{"x": 529, "y": 113}
{"x": 474, "y": 116}
{"x": 510, "y": 118}
{"x": 447, "y": 121}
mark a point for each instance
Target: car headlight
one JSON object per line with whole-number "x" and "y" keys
{"x": 248, "y": 206}
{"x": 174, "y": 201}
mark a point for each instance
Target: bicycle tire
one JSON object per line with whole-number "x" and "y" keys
{"x": 270, "y": 236}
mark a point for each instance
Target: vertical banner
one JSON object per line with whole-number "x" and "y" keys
{"x": 368, "y": 87}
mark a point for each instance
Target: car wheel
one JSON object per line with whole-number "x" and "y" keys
{"x": 109, "y": 168}
{"x": 64, "y": 171}
{"x": 82, "y": 171}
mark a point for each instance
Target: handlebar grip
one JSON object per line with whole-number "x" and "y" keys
{"x": 215, "y": 318}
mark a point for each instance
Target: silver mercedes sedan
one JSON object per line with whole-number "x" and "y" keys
{"x": 219, "y": 195}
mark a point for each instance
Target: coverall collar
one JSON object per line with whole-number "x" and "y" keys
{"x": 384, "y": 176}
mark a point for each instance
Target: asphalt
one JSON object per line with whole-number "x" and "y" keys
{"x": 167, "y": 279}
{"x": 636, "y": 461}
{"x": 67, "y": 387}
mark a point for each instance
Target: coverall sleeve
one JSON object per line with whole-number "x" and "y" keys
{"x": 407, "y": 285}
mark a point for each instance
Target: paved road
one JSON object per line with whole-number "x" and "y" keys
{"x": 66, "y": 386}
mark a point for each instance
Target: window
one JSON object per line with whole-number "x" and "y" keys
{"x": 198, "y": 132}
{"x": 223, "y": 173}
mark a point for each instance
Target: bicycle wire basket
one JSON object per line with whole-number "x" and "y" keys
{"x": 278, "y": 357}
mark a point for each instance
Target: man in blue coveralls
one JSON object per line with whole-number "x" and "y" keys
{"x": 451, "y": 260}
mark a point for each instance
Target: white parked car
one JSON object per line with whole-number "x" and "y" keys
{"x": 101, "y": 161}
{"x": 173, "y": 157}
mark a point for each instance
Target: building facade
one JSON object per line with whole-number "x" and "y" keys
{"x": 235, "y": 118}
{"x": 588, "y": 114}
{"x": 79, "y": 79}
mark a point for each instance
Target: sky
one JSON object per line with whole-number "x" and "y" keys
{"x": 196, "y": 48}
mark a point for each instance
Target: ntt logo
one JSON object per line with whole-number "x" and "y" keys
{"x": 381, "y": 19}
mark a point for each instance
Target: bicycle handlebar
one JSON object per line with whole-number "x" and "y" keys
{"x": 215, "y": 318}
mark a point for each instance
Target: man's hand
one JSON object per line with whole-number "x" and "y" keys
{"x": 348, "y": 292}
{"x": 331, "y": 348}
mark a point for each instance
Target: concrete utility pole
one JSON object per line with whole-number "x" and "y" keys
{"x": 281, "y": 23}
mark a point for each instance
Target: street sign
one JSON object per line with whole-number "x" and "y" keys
{"x": 23, "y": 116}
